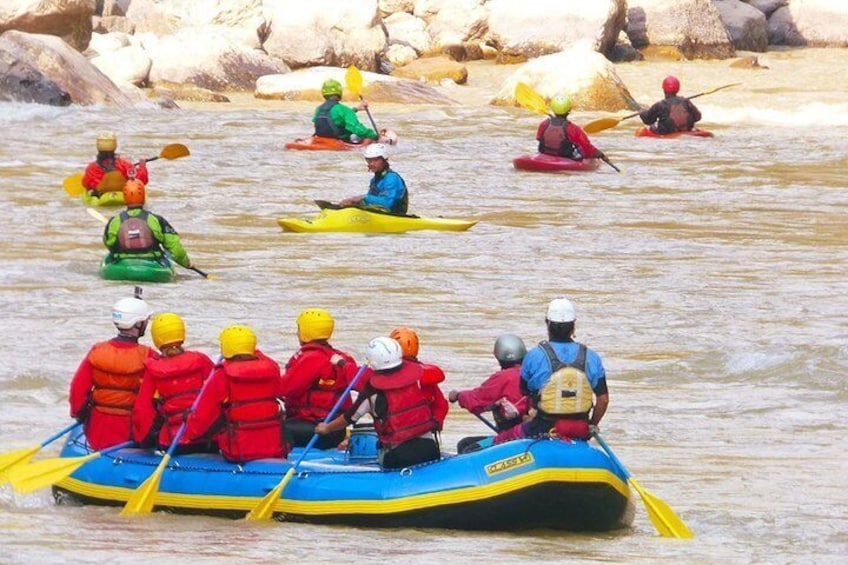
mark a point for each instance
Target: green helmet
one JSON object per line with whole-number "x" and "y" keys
{"x": 561, "y": 105}
{"x": 331, "y": 87}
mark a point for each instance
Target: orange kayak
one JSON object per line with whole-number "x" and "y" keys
{"x": 318, "y": 143}
{"x": 647, "y": 132}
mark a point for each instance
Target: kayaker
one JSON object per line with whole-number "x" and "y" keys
{"x": 561, "y": 376}
{"x": 314, "y": 379}
{"x": 387, "y": 190}
{"x": 135, "y": 232}
{"x": 403, "y": 417}
{"x": 433, "y": 375}
{"x": 104, "y": 387}
{"x": 334, "y": 119}
{"x": 562, "y": 138}
{"x": 672, "y": 114}
{"x": 242, "y": 403}
{"x": 500, "y": 392}
{"x": 172, "y": 378}
{"x": 107, "y": 161}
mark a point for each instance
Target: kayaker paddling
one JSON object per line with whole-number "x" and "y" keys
{"x": 387, "y": 190}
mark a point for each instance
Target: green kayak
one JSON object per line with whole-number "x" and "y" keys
{"x": 137, "y": 269}
{"x": 105, "y": 199}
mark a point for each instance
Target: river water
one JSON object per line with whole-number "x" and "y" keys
{"x": 710, "y": 275}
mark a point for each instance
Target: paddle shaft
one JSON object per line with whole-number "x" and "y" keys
{"x": 370, "y": 117}
{"x": 490, "y": 425}
{"x": 60, "y": 433}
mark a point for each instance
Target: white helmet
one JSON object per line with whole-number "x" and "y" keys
{"x": 127, "y": 312}
{"x": 376, "y": 150}
{"x": 384, "y": 353}
{"x": 561, "y": 310}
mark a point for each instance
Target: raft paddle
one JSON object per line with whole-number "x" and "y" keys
{"x": 490, "y": 425}
{"x": 667, "y": 523}
{"x": 353, "y": 78}
{"x": 265, "y": 509}
{"x": 100, "y": 217}
{"x": 141, "y": 500}
{"x": 533, "y": 101}
{"x": 114, "y": 180}
{"x": 35, "y": 476}
{"x": 607, "y": 123}
{"x": 22, "y": 456}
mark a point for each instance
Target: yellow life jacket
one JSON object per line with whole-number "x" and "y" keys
{"x": 568, "y": 392}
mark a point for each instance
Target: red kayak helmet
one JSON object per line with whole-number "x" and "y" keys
{"x": 671, "y": 85}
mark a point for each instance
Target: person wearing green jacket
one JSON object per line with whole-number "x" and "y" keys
{"x": 135, "y": 232}
{"x": 334, "y": 119}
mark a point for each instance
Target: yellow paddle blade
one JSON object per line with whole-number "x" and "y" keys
{"x": 530, "y": 99}
{"x": 35, "y": 476}
{"x": 174, "y": 151}
{"x": 601, "y": 125}
{"x": 97, "y": 215}
{"x": 73, "y": 185}
{"x": 667, "y": 523}
{"x": 353, "y": 78}
{"x": 265, "y": 509}
{"x": 113, "y": 181}
{"x": 141, "y": 501}
{"x": 12, "y": 459}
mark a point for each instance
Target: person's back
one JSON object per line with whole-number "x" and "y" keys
{"x": 560, "y": 137}
{"x": 334, "y": 119}
{"x": 672, "y": 114}
{"x": 431, "y": 375}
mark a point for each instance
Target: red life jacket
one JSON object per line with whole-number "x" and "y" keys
{"x": 326, "y": 388}
{"x": 135, "y": 235}
{"x": 408, "y": 413}
{"x": 555, "y": 140}
{"x": 253, "y": 427}
{"x": 116, "y": 376}
{"x": 178, "y": 381}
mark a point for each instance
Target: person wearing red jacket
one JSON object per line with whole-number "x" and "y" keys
{"x": 241, "y": 405}
{"x": 500, "y": 392}
{"x": 433, "y": 375}
{"x": 562, "y": 138}
{"x": 171, "y": 381}
{"x": 403, "y": 415}
{"x": 107, "y": 161}
{"x": 104, "y": 387}
{"x": 314, "y": 379}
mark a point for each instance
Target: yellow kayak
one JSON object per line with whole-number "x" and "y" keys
{"x": 105, "y": 199}
{"x": 357, "y": 220}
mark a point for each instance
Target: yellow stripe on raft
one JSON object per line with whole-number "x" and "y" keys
{"x": 357, "y": 220}
{"x": 368, "y": 507}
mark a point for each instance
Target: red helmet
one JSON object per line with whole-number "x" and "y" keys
{"x": 134, "y": 193}
{"x": 671, "y": 85}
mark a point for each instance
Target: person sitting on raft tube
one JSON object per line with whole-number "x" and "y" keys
{"x": 403, "y": 417}
{"x": 105, "y": 386}
{"x": 501, "y": 391}
{"x": 433, "y": 375}
{"x": 137, "y": 233}
{"x": 672, "y": 114}
{"x": 561, "y": 376}
{"x": 560, "y": 137}
{"x": 387, "y": 190}
{"x": 107, "y": 161}
{"x": 334, "y": 119}
{"x": 314, "y": 379}
{"x": 242, "y": 404}
{"x": 172, "y": 379}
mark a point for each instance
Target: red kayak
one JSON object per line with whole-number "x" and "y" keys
{"x": 647, "y": 132}
{"x": 552, "y": 163}
{"x": 318, "y": 143}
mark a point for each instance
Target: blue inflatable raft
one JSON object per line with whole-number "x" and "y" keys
{"x": 524, "y": 484}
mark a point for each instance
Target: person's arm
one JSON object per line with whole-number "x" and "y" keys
{"x": 694, "y": 113}
{"x": 601, "y": 403}
{"x": 301, "y": 371}
{"x": 540, "y": 131}
{"x": 650, "y": 115}
{"x": 129, "y": 169}
{"x": 438, "y": 403}
{"x": 208, "y": 410}
{"x": 579, "y": 138}
{"x": 389, "y": 190}
{"x": 110, "y": 233}
{"x": 480, "y": 399}
{"x": 351, "y": 123}
{"x": 144, "y": 410}
{"x": 358, "y": 409}
{"x": 170, "y": 240}
{"x": 80, "y": 390}
{"x": 92, "y": 176}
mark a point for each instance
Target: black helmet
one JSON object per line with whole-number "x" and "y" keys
{"x": 509, "y": 349}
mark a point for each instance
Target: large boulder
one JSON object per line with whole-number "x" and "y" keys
{"x": 389, "y": 7}
{"x": 453, "y": 22}
{"x": 128, "y": 64}
{"x": 22, "y": 81}
{"x": 745, "y": 24}
{"x": 694, "y": 27}
{"x": 434, "y": 70}
{"x": 523, "y": 30}
{"x": 68, "y": 19}
{"x": 406, "y": 29}
{"x": 325, "y": 32}
{"x": 579, "y": 72}
{"x": 166, "y": 17}
{"x": 768, "y": 7}
{"x": 68, "y": 69}
{"x": 812, "y": 23}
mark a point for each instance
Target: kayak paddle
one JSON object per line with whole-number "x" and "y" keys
{"x": 22, "y": 456}
{"x": 607, "y": 123}
{"x": 667, "y": 523}
{"x": 533, "y": 101}
{"x": 265, "y": 509}
{"x": 353, "y": 78}
{"x": 141, "y": 500}
{"x": 114, "y": 180}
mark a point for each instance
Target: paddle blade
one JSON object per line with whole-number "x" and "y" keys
{"x": 601, "y": 125}
{"x": 530, "y": 99}
{"x": 12, "y": 459}
{"x": 174, "y": 151}
{"x": 113, "y": 181}
{"x": 41, "y": 474}
{"x": 353, "y": 78}
{"x": 73, "y": 185}
{"x": 667, "y": 523}
{"x": 141, "y": 501}
{"x": 265, "y": 509}
{"x": 97, "y": 215}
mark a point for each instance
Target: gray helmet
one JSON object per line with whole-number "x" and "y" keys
{"x": 509, "y": 349}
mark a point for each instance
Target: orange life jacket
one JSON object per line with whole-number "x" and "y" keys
{"x": 116, "y": 376}
{"x": 178, "y": 380}
{"x": 408, "y": 413}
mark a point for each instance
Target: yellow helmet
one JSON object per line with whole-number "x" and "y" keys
{"x": 107, "y": 141}
{"x": 237, "y": 340}
{"x": 168, "y": 329}
{"x": 314, "y": 324}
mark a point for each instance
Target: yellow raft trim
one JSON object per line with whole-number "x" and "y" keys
{"x": 366, "y": 507}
